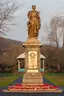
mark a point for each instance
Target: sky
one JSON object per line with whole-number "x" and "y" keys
{"x": 47, "y": 8}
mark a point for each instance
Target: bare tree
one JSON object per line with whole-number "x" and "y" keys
{"x": 55, "y": 32}
{"x": 54, "y": 36}
{"x": 58, "y": 22}
{"x": 7, "y": 9}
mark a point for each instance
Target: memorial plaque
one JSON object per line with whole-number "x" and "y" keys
{"x": 32, "y": 59}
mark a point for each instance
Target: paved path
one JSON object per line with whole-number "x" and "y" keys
{"x": 17, "y": 81}
{"x": 47, "y": 81}
{"x": 31, "y": 94}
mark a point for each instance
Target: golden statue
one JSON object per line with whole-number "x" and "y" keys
{"x": 33, "y": 23}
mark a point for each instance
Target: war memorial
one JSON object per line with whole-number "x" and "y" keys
{"x": 33, "y": 79}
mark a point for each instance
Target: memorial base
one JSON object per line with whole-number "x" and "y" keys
{"x": 32, "y": 62}
{"x": 32, "y": 78}
{"x": 33, "y": 88}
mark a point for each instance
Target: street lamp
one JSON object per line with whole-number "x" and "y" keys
{"x": 63, "y": 44}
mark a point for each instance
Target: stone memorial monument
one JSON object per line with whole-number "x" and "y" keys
{"x": 32, "y": 49}
{"x": 32, "y": 79}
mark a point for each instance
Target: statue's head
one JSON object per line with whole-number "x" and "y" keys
{"x": 33, "y": 7}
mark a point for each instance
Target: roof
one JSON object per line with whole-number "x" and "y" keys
{"x": 42, "y": 56}
{"x": 23, "y": 56}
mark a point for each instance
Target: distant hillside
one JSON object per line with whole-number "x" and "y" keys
{"x": 6, "y": 43}
{"x": 9, "y": 50}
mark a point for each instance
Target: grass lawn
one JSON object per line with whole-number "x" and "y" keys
{"x": 5, "y": 81}
{"x": 7, "y": 78}
{"x": 56, "y": 78}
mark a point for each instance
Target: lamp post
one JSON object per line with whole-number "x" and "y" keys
{"x": 43, "y": 65}
{"x": 63, "y": 44}
{"x": 61, "y": 24}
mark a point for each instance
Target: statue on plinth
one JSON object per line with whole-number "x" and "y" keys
{"x": 32, "y": 49}
{"x": 33, "y": 23}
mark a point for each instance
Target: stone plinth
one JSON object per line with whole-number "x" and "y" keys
{"x": 32, "y": 78}
{"x": 32, "y": 62}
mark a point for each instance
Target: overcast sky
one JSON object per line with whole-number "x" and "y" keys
{"x": 47, "y": 8}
